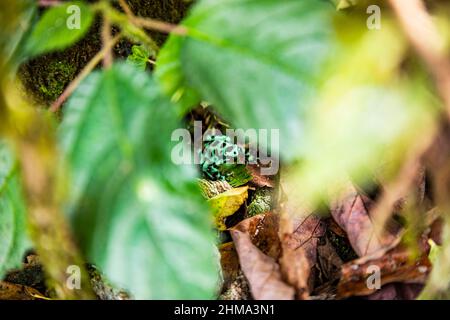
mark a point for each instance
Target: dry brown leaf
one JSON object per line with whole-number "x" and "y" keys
{"x": 351, "y": 212}
{"x": 261, "y": 270}
{"x": 258, "y": 179}
{"x": 395, "y": 266}
{"x": 329, "y": 262}
{"x": 300, "y": 253}
{"x": 263, "y": 231}
{"x": 397, "y": 291}
{"x": 229, "y": 261}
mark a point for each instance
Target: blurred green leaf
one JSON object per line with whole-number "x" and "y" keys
{"x": 257, "y": 62}
{"x": 172, "y": 80}
{"x": 437, "y": 286}
{"x": 368, "y": 114}
{"x": 138, "y": 216}
{"x": 13, "y": 228}
{"x": 60, "y": 27}
{"x": 15, "y": 21}
{"x": 139, "y": 57}
{"x": 236, "y": 174}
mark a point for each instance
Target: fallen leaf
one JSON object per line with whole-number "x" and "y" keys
{"x": 261, "y": 270}
{"x": 259, "y": 179}
{"x": 397, "y": 291}
{"x": 329, "y": 262}
{"x": 211, "y": 188}
{"x": 395, "y": 265}
{"x": 226, "y": 204}
{"x": 351, "y": 212}
{"x": 229, "y": 260}
{"x": 263, "y": 232}
{"x": 300, "y": 253}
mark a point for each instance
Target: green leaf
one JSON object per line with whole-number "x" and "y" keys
{"x": 16, "y": 20}
{"x": 139, "y": 57}
{"x": 13, "y": 229}
{"x": 169, "y": 75}
{"x": 226, "y": 204}
{"x": 257, "y": 62}
{"x": 60, "y": 27}
{"x": 368, "y": 117}
{"x": 236, "y": 174}
{"x": 139, "y": 217}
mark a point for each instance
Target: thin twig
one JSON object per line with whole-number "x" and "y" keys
{"x": 106, "y": 38}
{"x": 400, "y": 187}
{"x": 153, "y": 24}
{"x": 126, "y": 8}
{"x": 159, "y": 26}
{"x": 83, "y": 74}
{"x": 424, "y": 36}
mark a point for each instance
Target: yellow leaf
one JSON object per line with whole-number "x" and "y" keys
{"x": 226, "y": 204}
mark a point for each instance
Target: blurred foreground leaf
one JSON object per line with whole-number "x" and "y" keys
{"x": 13, "y": 239}
{"x": 139, "y": 217}
{"x": 257, "y": 62}
{"x": 60, "y": 27}
{"x": 368, "y": 116}
{"x": 15, "y": 20}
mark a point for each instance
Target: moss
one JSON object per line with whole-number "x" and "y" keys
{"x": 46, "y": 77}
{"x": 261, "y": 202}
{"x": 61, "y": 73}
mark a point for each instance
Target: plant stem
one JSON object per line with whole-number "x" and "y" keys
{"x": 106, "y": 38}
{"x": 83, "y": 74}
{"x": 424, "y": 36}
{"x": 153, "y": 24}
{"x": 159, "y": 26}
